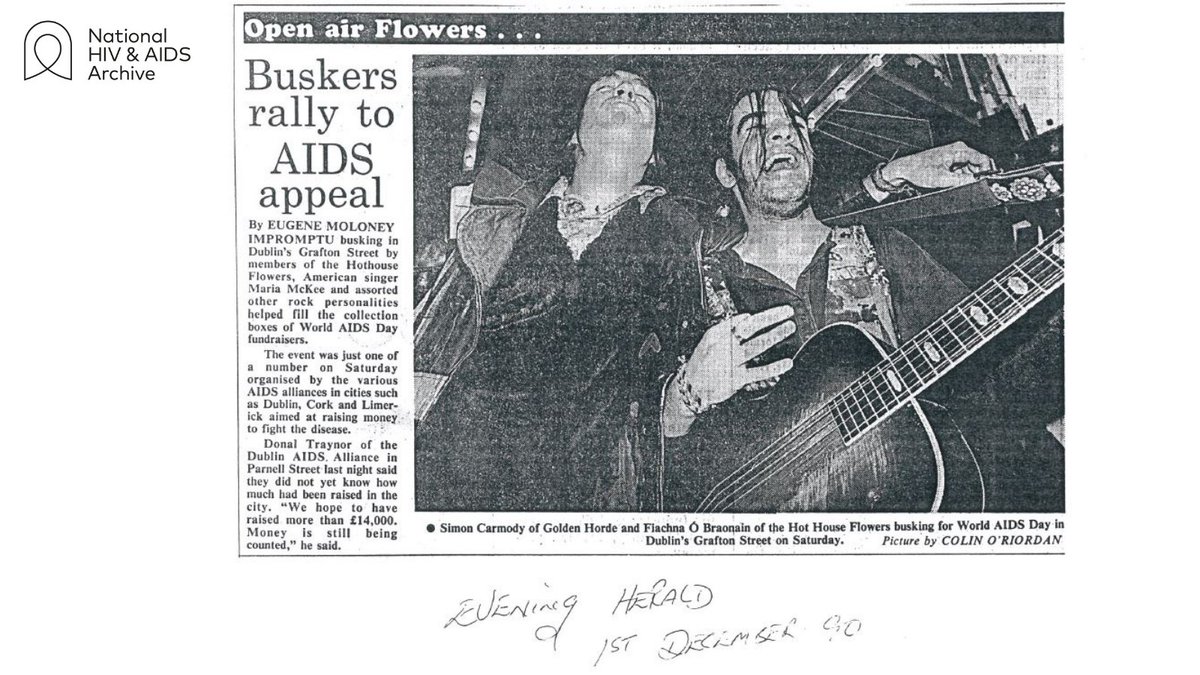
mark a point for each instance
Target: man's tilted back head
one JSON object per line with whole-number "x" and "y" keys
{"x": 618, "y": 118}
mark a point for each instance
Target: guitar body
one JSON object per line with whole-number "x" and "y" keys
{"x": 783, "y": 449}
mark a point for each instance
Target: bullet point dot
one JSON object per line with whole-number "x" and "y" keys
{"x": 430, "y": 528}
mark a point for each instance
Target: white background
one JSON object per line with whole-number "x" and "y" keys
{"x": 118, "y": 434}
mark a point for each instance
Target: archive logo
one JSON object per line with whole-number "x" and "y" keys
{"x": 47, "y": 50}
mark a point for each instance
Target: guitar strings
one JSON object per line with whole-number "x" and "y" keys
{"x": 877, "y": 372}
{"x": 773, "y": 466}
{"x": 809, "y": 429}
{"x": 784, "y": 457}
{"x": 781, "y": 443}
{"x": 953, "y": 325}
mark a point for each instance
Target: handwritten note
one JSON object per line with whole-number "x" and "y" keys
{"x": 499, "y": 606}
{"x": 659, "y": 621}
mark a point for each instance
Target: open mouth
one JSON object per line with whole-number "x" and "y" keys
{"x": 622, "y": 103}
{"x": 781, "y": 161}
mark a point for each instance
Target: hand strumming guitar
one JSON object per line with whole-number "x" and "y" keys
{"x": 720, "y": 365}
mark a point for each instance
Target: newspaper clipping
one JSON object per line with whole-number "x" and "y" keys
{"x": 659, "y": 283}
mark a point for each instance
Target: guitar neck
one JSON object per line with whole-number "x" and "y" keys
{"x": 960, "y": 332}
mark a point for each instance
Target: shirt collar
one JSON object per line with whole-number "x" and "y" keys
{"x": 643, "y": 193}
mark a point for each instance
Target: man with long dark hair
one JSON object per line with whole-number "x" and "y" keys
{"x": 777, "y": 251}
{"x": 778, "y": 245}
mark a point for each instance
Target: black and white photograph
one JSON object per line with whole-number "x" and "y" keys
{"x": 746, "y": 282}
{"x": 606, "y": 337}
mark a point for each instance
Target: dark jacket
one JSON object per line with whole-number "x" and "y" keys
{"x": 545, "y": 444}
{"x": 983, "y": 406}
{"x": 556, "y": 405}
{"x": 921, "y": 288}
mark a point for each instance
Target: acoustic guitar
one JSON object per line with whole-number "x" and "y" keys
{"x": 843, "y": 430}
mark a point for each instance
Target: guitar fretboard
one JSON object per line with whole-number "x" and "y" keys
{"x": 960, "y": 332}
